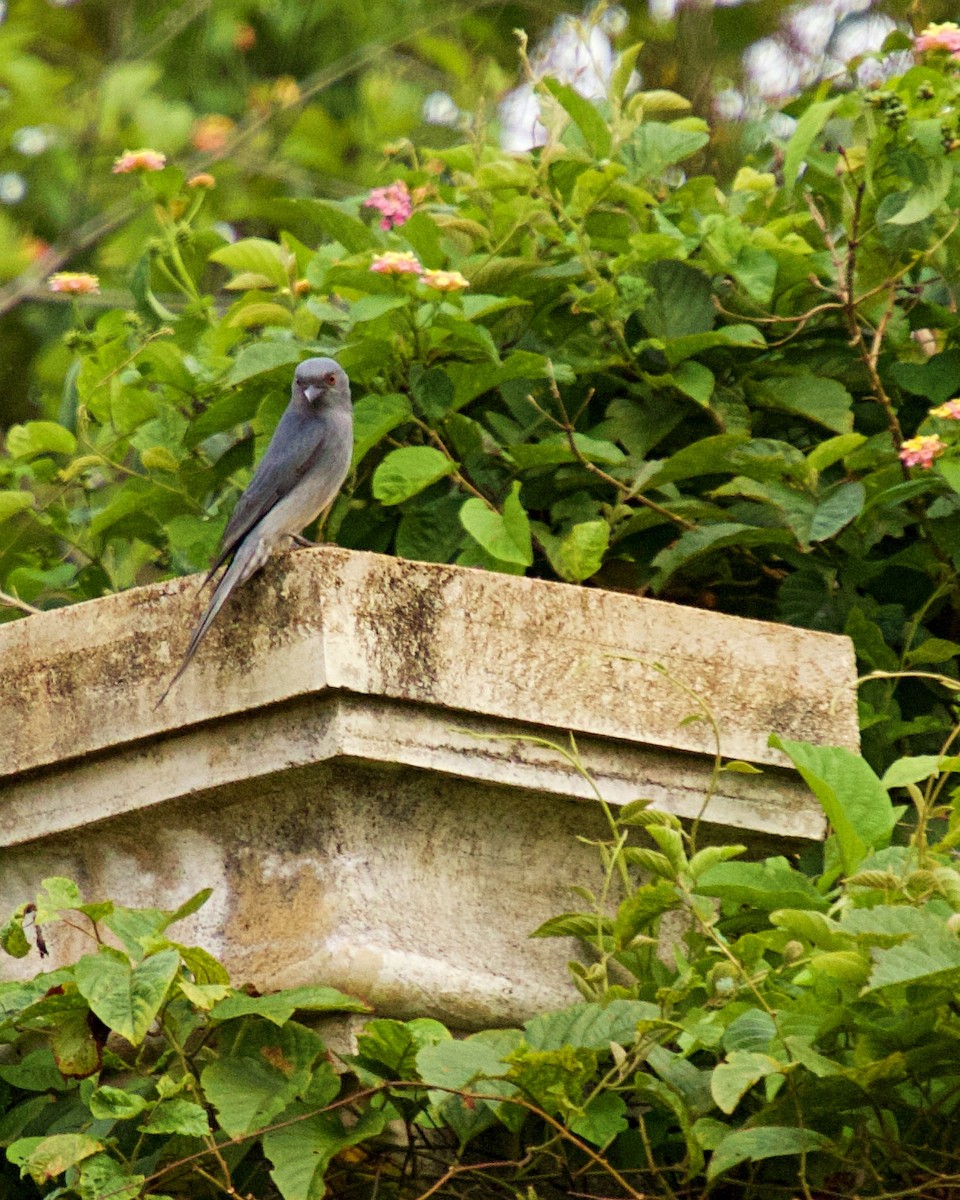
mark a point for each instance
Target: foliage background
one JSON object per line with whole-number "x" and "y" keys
{"x": 685, "y": 363}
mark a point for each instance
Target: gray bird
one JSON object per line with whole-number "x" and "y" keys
{"x": 298, "y": 477}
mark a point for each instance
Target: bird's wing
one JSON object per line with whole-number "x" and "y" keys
{"x": 296, "y": 446}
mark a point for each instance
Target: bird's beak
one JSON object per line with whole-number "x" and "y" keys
{"x": 312, "y": 393}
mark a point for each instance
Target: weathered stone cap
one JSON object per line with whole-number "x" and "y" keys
{"x": 77, "y": 680}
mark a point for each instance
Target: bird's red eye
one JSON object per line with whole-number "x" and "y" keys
{"x": 330, "y": 379}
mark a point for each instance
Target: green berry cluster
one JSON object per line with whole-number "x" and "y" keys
{"x": 893, "y": 109}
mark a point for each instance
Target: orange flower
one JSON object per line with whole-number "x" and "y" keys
{"x": 445, "y": 281}
{"x": 74, "y": 283}
{"x": 285, "y": 91}
{"x": 397, "y": 262}
{"x": 244, "y": 38}
{"x": 139, "y": 160}
{"x": 203, "y": 180}
{"x": 921, "y": 451}
{"x": 212, "y": 132}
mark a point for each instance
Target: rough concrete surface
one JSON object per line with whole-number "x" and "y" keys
{"x": 345, "y": 763}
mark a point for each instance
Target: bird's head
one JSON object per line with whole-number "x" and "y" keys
{"x": 320, "y": 383}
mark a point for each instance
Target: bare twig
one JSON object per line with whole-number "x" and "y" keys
{"x": 16, "y": 602}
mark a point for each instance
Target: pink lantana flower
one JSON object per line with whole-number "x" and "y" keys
{"x": 74, "y": 283}
{"x": 394, "y": 204}
{"x": 139, "y": 160}
{"x": 947, "y": 412}
{"x": 397, "y": 262}
{"x": 445, "y": 281}
{"x": 939, "y": 37}
{"x": 921, "y": 451}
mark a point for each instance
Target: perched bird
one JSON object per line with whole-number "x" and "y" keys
{"x": 299, "y": 475}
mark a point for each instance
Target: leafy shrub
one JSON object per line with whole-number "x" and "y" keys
{"x": 649, "y": 382}
{"x": 802, "y": 1034}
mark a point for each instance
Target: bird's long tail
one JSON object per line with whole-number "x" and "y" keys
{"x": 249, "y": 558}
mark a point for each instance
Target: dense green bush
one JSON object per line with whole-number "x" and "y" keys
{"x": 583, "y": 364}
{"x": 801, "y": 1038}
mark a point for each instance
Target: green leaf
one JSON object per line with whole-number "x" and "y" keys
{"x": 933, "y": 651}
{"x": 589, "y": 1026}
{"x": 127, "y": 999}
{"x": 694, "y": 380}
{"x": 709, "y": 539}
{"x": 837, "y": 510}
{"x": 114, "y": 1104}
{"x": 431, "y": 532}
{"x": 407, "y": 471}
{"x": 369, "y": 308}
{"x": 258, "y": 257}
{"x": 938, "y": 379}
{"x": 708, "y": 456}
{"x": 931, "y": 957}
{"x": 177, "y": 1116}
{"x": 807, "y": 129}
{"x": 766, "y": 885}
{"x": 336, "y": 220}
{"x": 261, "y": 357}
{"x": 507, "y": 536}
{"x": 824, "y": 401}
{"x": 925, "y": 196}
{"x": 595, "y": 130}
{"x": 578, "y": 554}
{"x": 473, "y": 379}
{"x": 917, "y": 768}
{"x": 763, "y": 1141}
{"x": 831, "y": 451}
{"x": 677, "y": 349}
{"x": 374, "y": 417}
{"x": 555, "y": 449}
{"x": 302, "y": 1147}
{"x": 732, "y": 1079}
{"x": 656, "y": 146}
{"x": 43, "y": 1158}
{"x": 103, "y": 1178}
{"x": 682, "y": 301}
{"x": 267, "y": 1071}
{"x": 604, "y": 1116}
{"x": 950, "y": 470}
{"x": 12, "y": 502}
{"x": 279, "y": 1007}
{"x": 856, "y": 803}
{"x": 39, "y": 437}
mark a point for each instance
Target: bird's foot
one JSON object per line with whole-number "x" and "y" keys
{"x": 299, "y": 540}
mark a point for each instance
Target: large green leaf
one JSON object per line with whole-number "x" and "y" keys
{"x": 824, "y": 401}
{"x": 807, "y": 129}
{"x": 256, "y": 257}
{"x": 302, "y": 1146}
{"x": 39, "y": 437}
{"x": 266, "y": 1071}
{"x": 578, "y": 553}
{"x": 732, "y": 1079}
{"x": 407, "y": 471}
{"x": 505, "y": 536}
{"x": 279, "y": 1007}
{"x": 589, "y": 1025}
{"x": 586, "y": 117}
{"x": 710, "y": 538}
{"x": 126, "y": 998}
{"x": 763, "y": 1141}
{"x": 682, "y": 301}
{"x": 766, "y": 885}
{"x": 854, "y": 799}
{"x": 374, "y": 417}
